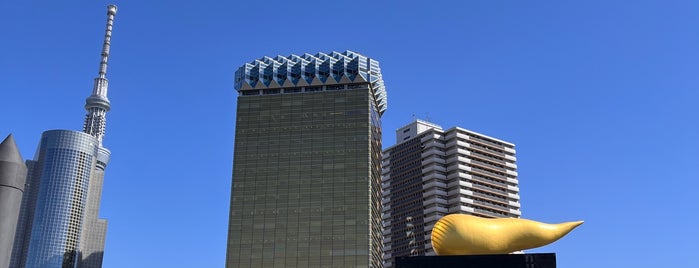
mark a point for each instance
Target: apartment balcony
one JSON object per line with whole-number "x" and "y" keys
{"x": 491, "y": 206}
{"x": 461, "y": 192}
{"x": 434, "y": 192}
{"x": 433, "y": 159}
{"x": 488, "y": 181}
{"x": 511, "y": 165}
{"x": 450, "y": 143}
{"x": 489, "y": 189}
{"x": 385, "y": 170}
{"x": 434, "y": 200}
{"x": 499, "y": 200}
{"x": 387, "y": 247}
{"x": 460, "y": 208}
{"x": 451, "y": 158}
{"x": 457, "y": 158}
{"x": 513, "y": 196}
{"x": 459, "y": 175}
{"x": 385, "y": 208}
{"x": 428, "y": 228}
{"x": 488, "y": 213}
{"x": 489, "y": 167}
{"x": 513, "y": 188}
{"x": 385, "y": 202}
{"x": 449, "y": 150}
{"x": 436, "y": 209}
{"x": 484, "y": 157}
{"x": 511, "y": 157}
{"x": 433, "y": 136}
{"x": 460, "y": 200}
{"x": 435, "y": 167}
{"x": 463, "y": 143}
{"x": 486, "y": 173}
{"x": 488, "y": 143}
{"x": 386, "y": 224}
{"x": 485, "y": 150}
{"x": 386, "y": 232}
{"x": 459, "y": 182}
{"x": 433, "y": 175}
{"x": 452, "y": 134}
{"x": 432, "y": 151}
{"x": 385, "y": 183}
{"x": 434, "y": 184}
{"x": 432, "y": 144}
{"x": 514, "y": 204}
{"x": 386, "y": 239}
{"x": 458, "y": 167}
{"x": 433, "y": 218}
{"x": 385, "y": 197}
{"x": 513, "y": 180}
{"x": 385, "y": 215}
{"x": 456, "y": 150}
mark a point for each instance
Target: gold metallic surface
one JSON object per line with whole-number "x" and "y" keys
{"x": 460, "y": 234}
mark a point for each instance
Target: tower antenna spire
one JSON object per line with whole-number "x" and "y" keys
{"x": 111, "y": 12}
{"x": 97, "y": 104}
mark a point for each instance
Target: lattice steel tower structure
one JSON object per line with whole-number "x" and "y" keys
{"x": 97, "y": 105}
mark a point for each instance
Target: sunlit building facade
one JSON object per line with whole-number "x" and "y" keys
{"x": 66, "y": 161}
{"x": 306, "y": 174}
{"x": 431, "y": 172}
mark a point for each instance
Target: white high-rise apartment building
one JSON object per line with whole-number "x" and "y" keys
{"x": 431, "y": 172}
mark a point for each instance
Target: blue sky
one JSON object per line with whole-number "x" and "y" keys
{"x": 600, "y": 98}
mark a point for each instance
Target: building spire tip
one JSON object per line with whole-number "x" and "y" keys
{"x": 111, "y": 9}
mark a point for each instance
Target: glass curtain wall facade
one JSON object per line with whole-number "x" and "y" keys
{"x": 66, "y": 161}
{"x": 306, "y": 175}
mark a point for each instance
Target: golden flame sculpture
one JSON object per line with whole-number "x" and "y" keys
{"x": 461, "y": 234}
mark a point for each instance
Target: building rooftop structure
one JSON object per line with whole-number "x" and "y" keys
{"x": 310, "y": 71}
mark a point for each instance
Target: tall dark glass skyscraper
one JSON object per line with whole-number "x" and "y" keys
{"x": 306, "y": 175}
{"x": 59, "y": 224}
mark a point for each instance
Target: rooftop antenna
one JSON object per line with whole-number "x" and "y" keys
{"x": 97, "y": 104}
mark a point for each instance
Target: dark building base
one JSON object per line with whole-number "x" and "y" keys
{"x": 535, "y": 260}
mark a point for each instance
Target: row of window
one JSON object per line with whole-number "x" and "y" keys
{"x": 275, "y": 91}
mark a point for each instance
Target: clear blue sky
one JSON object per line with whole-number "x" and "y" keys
{"x": 599, "y": 96}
